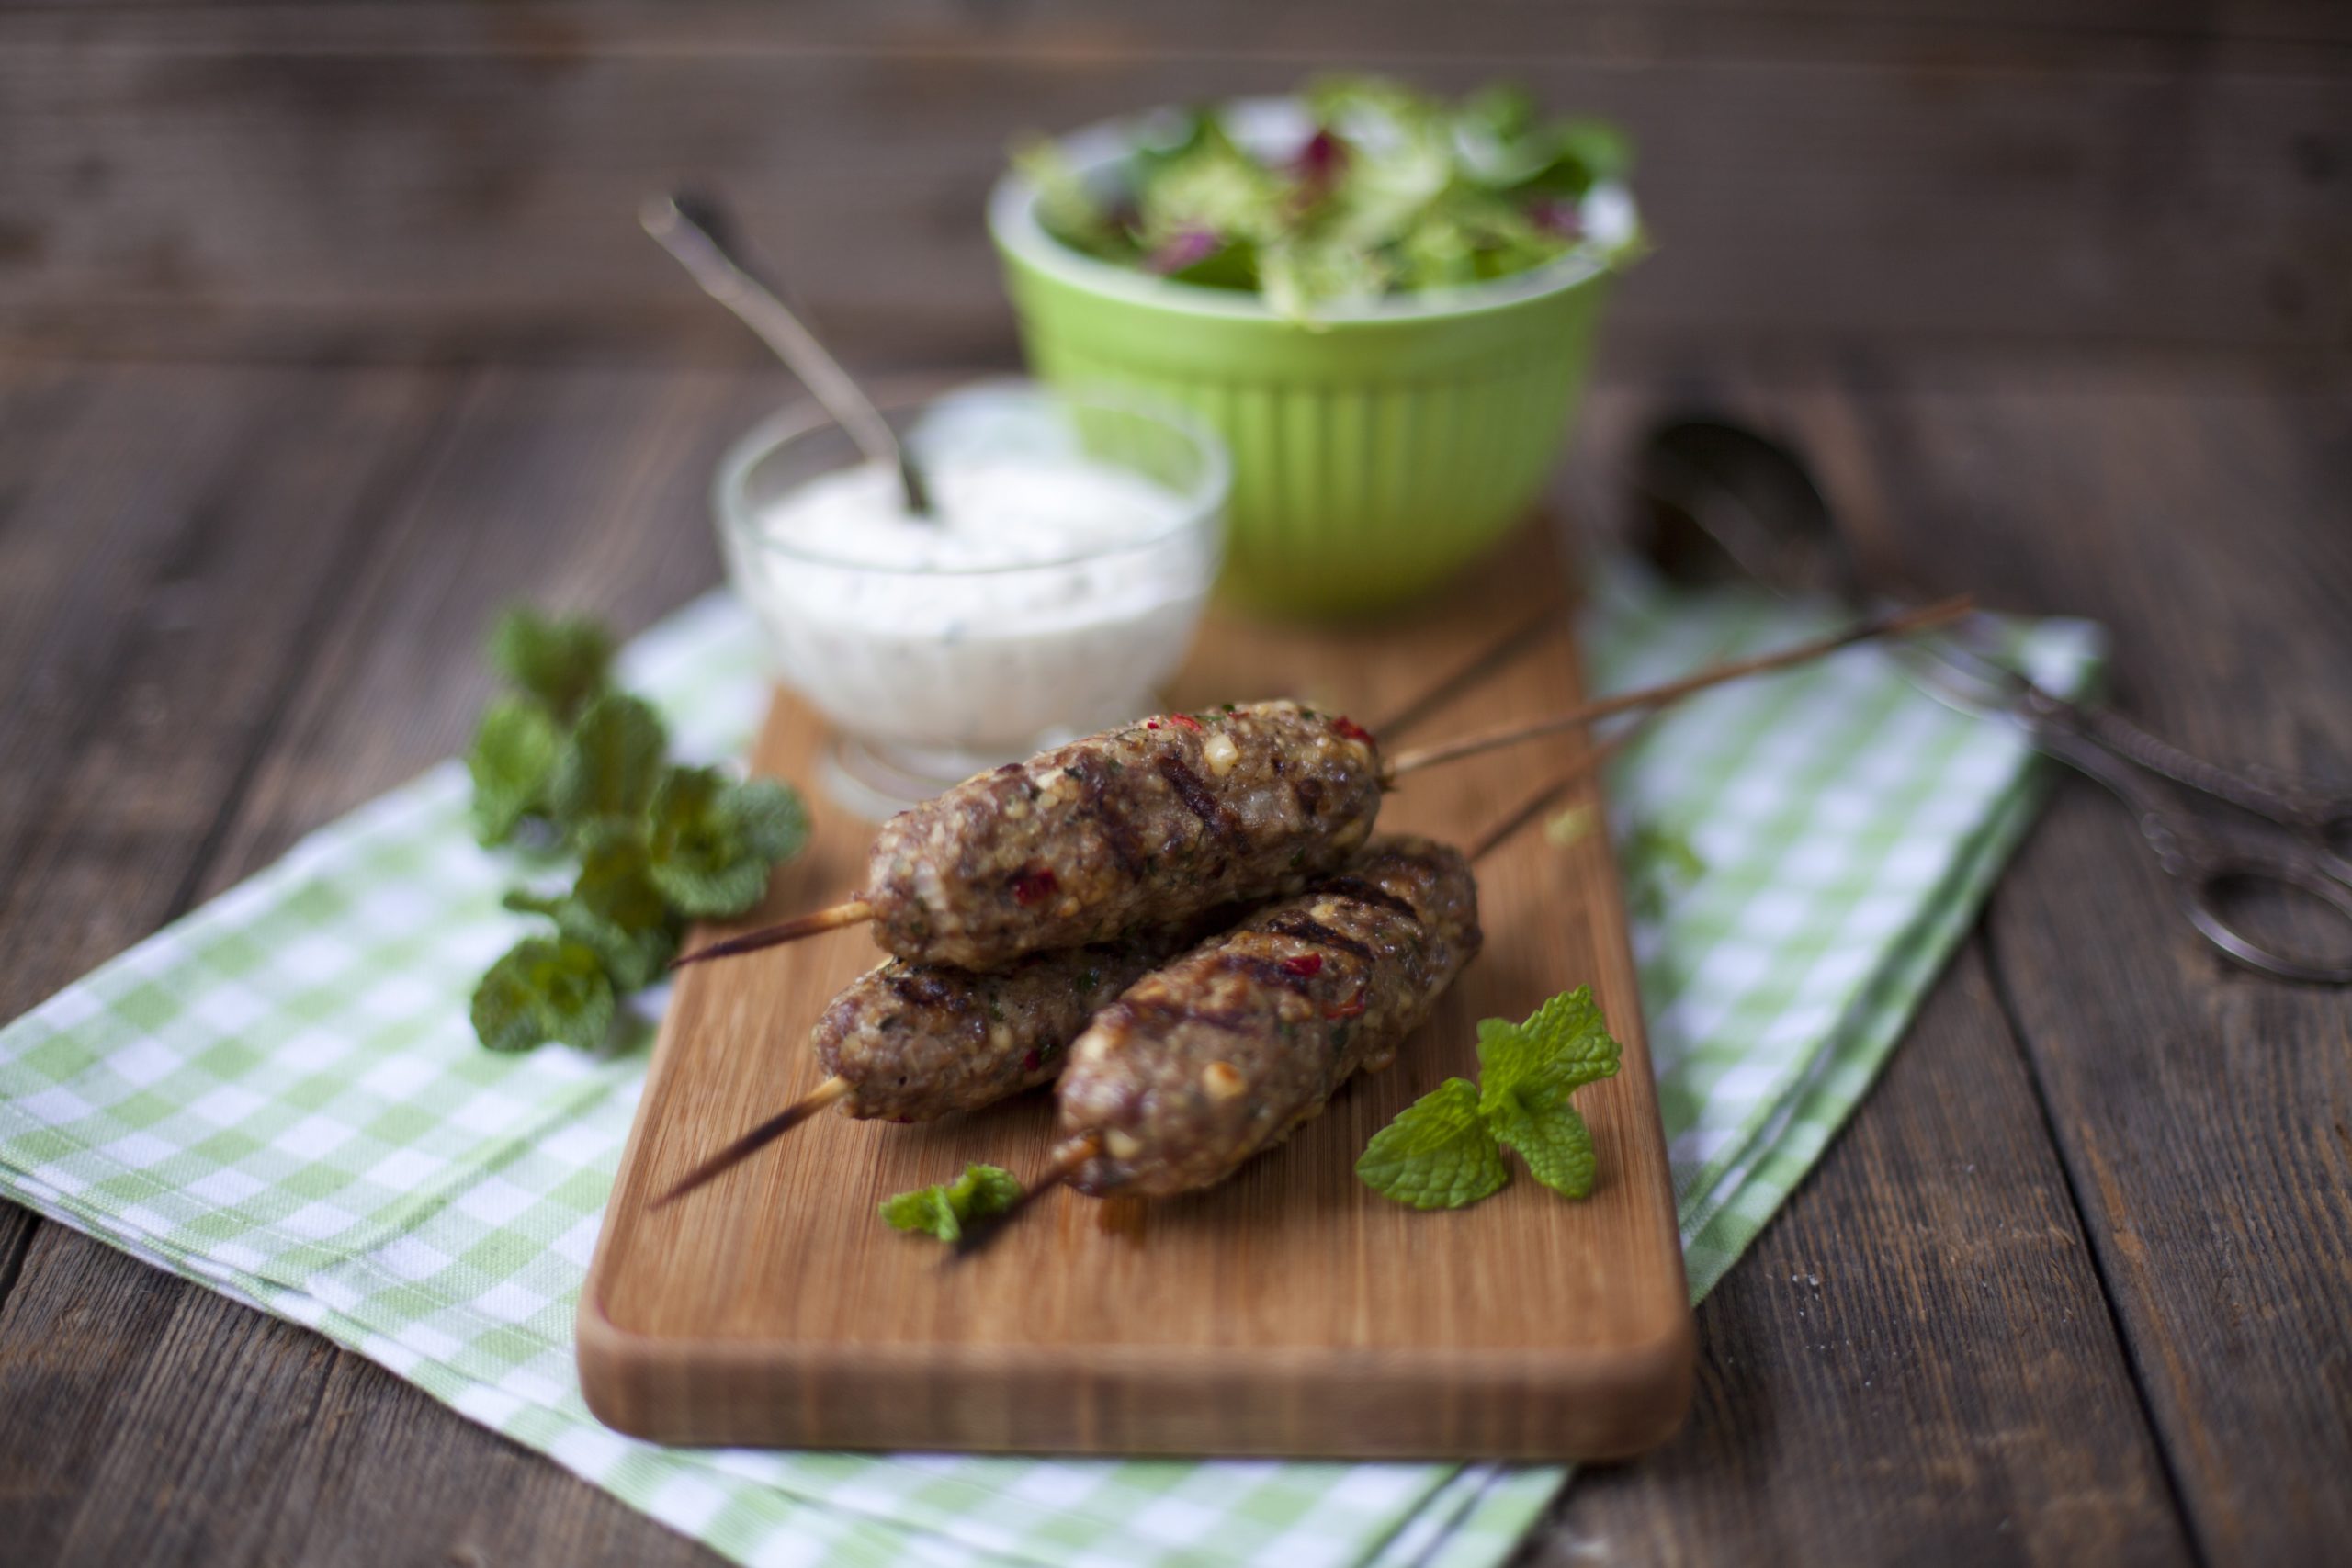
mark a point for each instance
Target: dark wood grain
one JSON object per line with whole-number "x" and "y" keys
{"x": 173, "y": 538}
{"x": 2198, "y": 1115}
{"x": 584, "y": 491}
{"x": 216, "y": 1433}
{"x": 1914, "y": 1361}
{"x": 457, "y": 180}
{"x": 2201, "y": 1113}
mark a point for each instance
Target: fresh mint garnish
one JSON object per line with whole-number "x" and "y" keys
{"x": 714, "y": 839}
{"x": 1438, "y": 1154}
{"x": 560, "y": 662}
{"x": 512, "y": 760}
{"x": 544, "y": 990}
{"x": 943, "y": 1211}
{"x": 1445, "y": 1150}
{"x": 656, "y": 844}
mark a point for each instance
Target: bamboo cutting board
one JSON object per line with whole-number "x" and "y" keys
{"x": 1289, "y": 1311}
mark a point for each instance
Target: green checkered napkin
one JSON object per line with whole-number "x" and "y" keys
{"x": 279, "y": 1096}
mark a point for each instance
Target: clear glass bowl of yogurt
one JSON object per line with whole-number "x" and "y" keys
{"x": 1056, "y": 587}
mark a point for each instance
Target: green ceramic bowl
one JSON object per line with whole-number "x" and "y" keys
{"x": 1375, "y": 452}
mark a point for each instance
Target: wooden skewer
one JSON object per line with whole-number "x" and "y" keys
{"x": 757, "y": 1138}
{"x": 1673, "y": 691}
{"x": 832, "y": 1090}
{"x": 853, "y": 912}
{"x": 848, "y": 912}
{"x": 1066, "y": 1163}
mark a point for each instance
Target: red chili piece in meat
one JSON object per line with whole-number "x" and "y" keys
{"x": 1305, "y": 965}
{"x": 1031, "y": 887}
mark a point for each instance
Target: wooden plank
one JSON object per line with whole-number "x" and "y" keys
{"x": 2200, "y": 1110}
{"x": 1277, "y": 1313}
{"x": 1917, "y": 192}
{"x": 171, "y": 543}
{"x": 582, "y": 491}
{"x": 211, "y": 1430}
{"x": 1088, "y": 27}
{"x": 2193, "y": 1104}
{"x": 1914, "y": 1361}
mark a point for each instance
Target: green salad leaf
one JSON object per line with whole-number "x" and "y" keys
{"x": 943, "y": 1211}
{"x": 1393, "y": 191}
{"x": 1445, "y": 1150}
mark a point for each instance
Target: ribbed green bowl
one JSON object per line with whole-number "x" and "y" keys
{"x": 1375, "y": 452}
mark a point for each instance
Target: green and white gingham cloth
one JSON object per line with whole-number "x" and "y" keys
{"x": 279, "y": 1096}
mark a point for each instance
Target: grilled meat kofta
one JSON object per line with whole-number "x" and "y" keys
{"x": 919, "y": 1040}
{"x": 1158, "y": 821}
{"x": 1222, "y": 1053}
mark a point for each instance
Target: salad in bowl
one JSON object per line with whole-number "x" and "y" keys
{"x": 1385, "y": 303}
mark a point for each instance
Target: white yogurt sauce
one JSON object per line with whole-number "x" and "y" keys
{"x": 1050, "y": 594}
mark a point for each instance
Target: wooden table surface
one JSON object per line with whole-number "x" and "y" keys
{"x": 2075, "y": 1285}
{"x": 322, "y": 332}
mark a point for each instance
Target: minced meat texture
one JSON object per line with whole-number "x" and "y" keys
{"x": 1220, "y": 1054}
{"x": 919, "y": 1041}
{"x": 1150, "y": 824}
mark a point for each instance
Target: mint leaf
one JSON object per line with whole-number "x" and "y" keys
{"x": 513, "y": 758}
{"x": 544, "y": 990}
{"x": 1436, "y": 1154}
{"x": 712, "y": 840}
{"x": 1556, "y": 1145}
{"x": 981, "y": 1192}
{"x": 1527, "y": 1072}
{"x": 562, "y": 662}
{"x": 607, "y": 774}
{"x": 614, "y": 909}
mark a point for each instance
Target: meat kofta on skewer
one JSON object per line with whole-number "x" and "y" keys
{"x": 1164, "y": 820}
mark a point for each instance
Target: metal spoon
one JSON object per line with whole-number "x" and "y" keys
{"x": 696, "y": 231}
{"x": 1717, "y": 500}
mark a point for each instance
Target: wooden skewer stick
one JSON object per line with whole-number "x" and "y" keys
{"x": 1673, "y": 691}
{"x": 757, "y": 1138}
{"x": 853, "y": 912}
{"x": 848, "y": 912}
{"x": 1066, "y": 1163}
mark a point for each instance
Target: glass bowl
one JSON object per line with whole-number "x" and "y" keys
{"x": 934, "y": 671}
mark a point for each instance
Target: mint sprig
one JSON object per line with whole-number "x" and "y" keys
{"x": 943, "y": 1211}
{"x": 544, "y": 990}
{"x": 657, "y": 843}
{"x": 1445, "y": 1150}
{"x": 513, "y": 758}
{"x": 713, "y": 838}
{"x": 562, "y": 664}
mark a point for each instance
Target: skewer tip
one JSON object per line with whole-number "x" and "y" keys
{"x": 757, "y": 1138}
{"x": 1065, "y": 1164}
